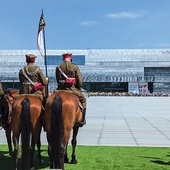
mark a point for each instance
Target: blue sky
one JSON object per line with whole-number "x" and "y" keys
{"x": 86, "y": 24}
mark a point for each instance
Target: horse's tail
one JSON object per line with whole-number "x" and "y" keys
{"x": 57, "y": 131}
{"x": 25, "y": 131}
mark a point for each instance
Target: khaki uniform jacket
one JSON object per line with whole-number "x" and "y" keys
{"x": 71, "y": 70}
{"x": 36, "y": 75}
{"x": 1, "y": 89}
{"x": 3, "y": 99}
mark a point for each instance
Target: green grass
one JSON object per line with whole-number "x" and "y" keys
{"x": 104, "y": 158}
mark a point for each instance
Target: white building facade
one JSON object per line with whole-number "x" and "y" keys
{"x": 102, "y": 69}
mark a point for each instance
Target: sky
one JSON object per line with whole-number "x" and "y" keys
{"x": 86, "y": 24}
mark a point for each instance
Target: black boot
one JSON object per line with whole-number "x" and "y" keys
{"x": 5, "y": 118}
{"x": 44, "y": 101}
{"x": 83, "y": 121}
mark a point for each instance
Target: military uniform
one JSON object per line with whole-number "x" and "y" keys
{"x": 70, "y": 70}
{"x": 36, "y": 75}
{"x": 4, "y": 107}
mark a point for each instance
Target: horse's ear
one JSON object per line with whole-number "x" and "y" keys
{"x": 9, "y": 93}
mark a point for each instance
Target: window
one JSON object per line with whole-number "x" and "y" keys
{"x": 57, "y": 59}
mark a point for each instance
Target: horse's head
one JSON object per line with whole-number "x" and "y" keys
{"x": 11, "y": 95}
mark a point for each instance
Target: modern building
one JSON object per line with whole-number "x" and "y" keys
{"x": 109, "y": 70}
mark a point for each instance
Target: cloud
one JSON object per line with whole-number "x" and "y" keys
{"x": 124, "y": 15}
{"x": 161, "y": 45}
{"x": 88, "y": 23}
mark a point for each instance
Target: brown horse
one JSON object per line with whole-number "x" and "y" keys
{"x": 8, "y": 137}
{"x": 26, "y": 120}
{"x": 62, "y": 114}
{"x": 10, "y": 96}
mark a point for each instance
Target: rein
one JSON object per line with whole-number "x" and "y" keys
{"x": 10, "y": 94}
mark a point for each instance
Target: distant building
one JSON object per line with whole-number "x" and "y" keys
{"x": 110, "y": 70}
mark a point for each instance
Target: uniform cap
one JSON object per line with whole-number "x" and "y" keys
{"x": 30, "y": 56}
{"x": 67, "y": 55}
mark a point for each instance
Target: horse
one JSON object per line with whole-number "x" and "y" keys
{"x": 26, "y": 120}
{"x": 8, "y": 137}
{"x": 62, "y": 115}
{"x": 9, "y": 96}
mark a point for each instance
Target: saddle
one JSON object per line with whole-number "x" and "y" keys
{"x": 15, "y": 94}
{"x": 73, "y": 92}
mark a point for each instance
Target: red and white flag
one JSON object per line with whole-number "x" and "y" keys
{"x": 40, "y": 36}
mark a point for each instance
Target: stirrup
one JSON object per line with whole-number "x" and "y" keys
{"x": 5, "y": 125}
{"x": 1, "y": 127}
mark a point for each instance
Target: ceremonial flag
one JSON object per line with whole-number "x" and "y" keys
{"x": 41, "y": 44}
{"x": 40, "y": 36}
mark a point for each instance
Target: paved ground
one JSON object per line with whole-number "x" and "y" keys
{"x": 124, "y": 121}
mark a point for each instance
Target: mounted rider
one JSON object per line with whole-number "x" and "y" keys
{"x": 68, "y": 77}
{"x": 4, "y": 107}
{"x": 32, "y": 78}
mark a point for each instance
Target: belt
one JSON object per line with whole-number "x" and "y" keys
{"x": 62, "y": 81}
{"x": 26, "y": 83}
{"x": 29, "y": 83}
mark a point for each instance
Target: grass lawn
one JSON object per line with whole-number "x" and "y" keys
{"x": 104, "y": 158}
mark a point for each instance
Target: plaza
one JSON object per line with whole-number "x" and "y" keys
{"x": 123, "y": 121}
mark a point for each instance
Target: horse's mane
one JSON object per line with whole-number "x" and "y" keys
{"x": 12, "y": 93}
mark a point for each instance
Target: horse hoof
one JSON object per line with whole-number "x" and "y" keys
{"x": 41, "y": 161}
{"x": 66, "y": 160}
{"x": 11, "y": 154}
{"x": 74, "y": 161}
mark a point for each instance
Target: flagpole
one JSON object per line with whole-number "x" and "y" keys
{"x": 45, "y": 57}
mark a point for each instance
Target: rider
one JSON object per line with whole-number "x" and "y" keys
{"x": 32, "y": 78}
{"x": 4, "y": 108}
{"x": 69, "y": 70}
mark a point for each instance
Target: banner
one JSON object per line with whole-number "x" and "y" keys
{"x": 40, "y": 37}
{"x": 143, "y": 87}
{"x": 41, "y": 44}
{"x": 133, "y": 87}
{"x": 138, "y": 87}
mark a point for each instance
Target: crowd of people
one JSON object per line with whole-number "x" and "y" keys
{"x": 158, "y": 94}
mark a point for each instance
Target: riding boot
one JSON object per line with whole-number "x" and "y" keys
{"x": 44, "y": 101}
{"x": 43, "y": 110}
{"x": 5, "y": 118}
{"x": 83, "y": 121}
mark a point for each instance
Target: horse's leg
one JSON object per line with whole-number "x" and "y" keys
{"x": 49, "y": 150}
{"x": 35, "y": 140}
{"x": 50, "y": 156}
{"x": 39, "y": 149}
{"x": 16, "y": 148}
{"x": 8, "y": 136}
{"x": 74, "y": 143}
{"x": 32, "y": 151}
{"x": 66, "y": 155}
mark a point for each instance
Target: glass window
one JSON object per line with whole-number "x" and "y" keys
{"x": 57, "y": 59}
